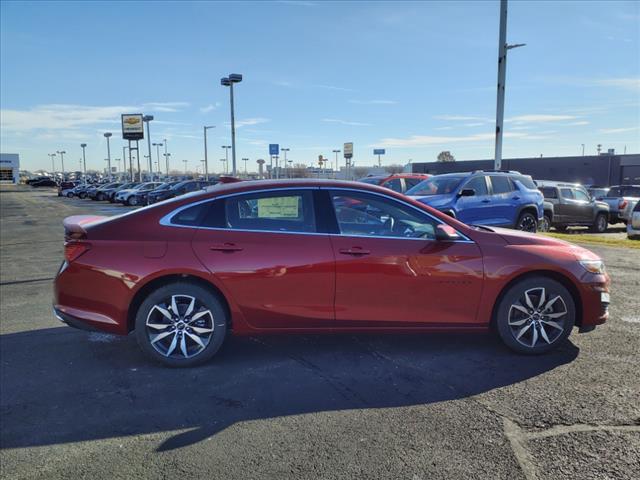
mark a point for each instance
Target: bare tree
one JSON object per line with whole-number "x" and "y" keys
{"x": 395, "y": 168}
{"x": 445, "y": 156}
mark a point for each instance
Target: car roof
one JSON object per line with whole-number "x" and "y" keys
{"x": 553, "y": 183}
{"x": 250, "y": 185}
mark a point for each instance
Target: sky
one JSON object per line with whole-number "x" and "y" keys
{"x": 414, "y": 78}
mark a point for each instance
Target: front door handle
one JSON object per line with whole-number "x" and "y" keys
{"x": 486, "y": 201}
{"x": 516, "y": 197}
{"x": 356, "y": 251}
{"x": 226, "y": 247}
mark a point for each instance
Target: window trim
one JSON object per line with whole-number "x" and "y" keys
{"x": 166, "y": 219}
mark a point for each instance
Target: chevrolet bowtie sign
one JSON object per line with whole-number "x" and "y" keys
{"x": 132, "y": 126}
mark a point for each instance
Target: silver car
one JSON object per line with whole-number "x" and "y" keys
{"x": 633, "y": 223}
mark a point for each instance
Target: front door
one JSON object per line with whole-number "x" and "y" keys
{"x": 265, "y": 250}
{"x": 390, "y": 270}
{"x": 477, "y": 208}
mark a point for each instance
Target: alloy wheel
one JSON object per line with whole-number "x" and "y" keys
{"x": 527, "y": 223}
{"x": 535, "y": 319}
{"x": 602, "y": 223}
{"x": 180, "y": 327}
{"x": 544, "y": 225}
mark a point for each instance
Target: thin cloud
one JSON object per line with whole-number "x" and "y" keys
{"x": 333, "y": 87}
{"x": 540, "y": 118}
{"x": 210, "y": 108}
{"x": 346, "y": 122}
{"x": 577, "y": 124}
{"x": 426, "y": 140}
{"x": 628, "y": 83}
{"x": 618, "y": 130}
{"x": 463, "y": 118}
{"x": 249, "y": 121}
{"x": 165, "y": 106}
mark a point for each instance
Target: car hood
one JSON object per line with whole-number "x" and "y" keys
{"x": 434, "y": 201}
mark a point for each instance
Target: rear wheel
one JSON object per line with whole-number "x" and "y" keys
{"x": 600, "y": 224}
{"x": 527, "y": 222}
{"x": 132, "y": 201}
{"x": 181, "y": 324}
{"x": 69, "y": 195}
{"x": 82, "y": 195}
{"x": 100, "y": 197}
{"x": 535, "y": 315}
{"x": 561, "y": 228}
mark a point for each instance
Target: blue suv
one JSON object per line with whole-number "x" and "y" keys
{"x": 496, "y": 198}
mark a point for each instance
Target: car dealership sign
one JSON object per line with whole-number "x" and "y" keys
{"x": 132, "y": 126}
{"x": 348, "y": 150}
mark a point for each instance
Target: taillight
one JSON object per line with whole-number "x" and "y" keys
{"x": 622, "y": 205}
{"x": 73, "y": 250}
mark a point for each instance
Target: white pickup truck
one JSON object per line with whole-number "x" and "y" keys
{"x": 618, "y": 197}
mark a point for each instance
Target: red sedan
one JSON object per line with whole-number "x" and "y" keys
{"x": 317, "y": 256}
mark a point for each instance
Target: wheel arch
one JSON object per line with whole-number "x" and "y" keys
{"x": 158, "y": 282}
{"x": 561, "y": 278}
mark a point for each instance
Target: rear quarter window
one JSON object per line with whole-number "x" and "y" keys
{"x": 526, "y": 181}
{"x": 549, "y": 192}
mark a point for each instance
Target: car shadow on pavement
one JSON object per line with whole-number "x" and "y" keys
{"x": 60, "y": 385}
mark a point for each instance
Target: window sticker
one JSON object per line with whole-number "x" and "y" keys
{"x": 278, "y": 207}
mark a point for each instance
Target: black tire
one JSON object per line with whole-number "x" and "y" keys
{"x": 511, "y": 321}
{"x": 82, "y": 195}
{"x": 100, "y": 197}
{"x": 178, "y": 328}
{"x": 527, "y": 222}
{"x": 561, "y": 228}
{"x": 600, "y": 223}
{"x": 69, "y": 195}
{"x": 132, "y": 201}
{"x": 545, "y": 224}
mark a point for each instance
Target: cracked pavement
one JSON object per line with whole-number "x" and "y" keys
{"x": 86, "y": 405}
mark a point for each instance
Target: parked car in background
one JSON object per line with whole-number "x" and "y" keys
{"x": 141, "y": 196}
{"x": 262, "y": 257}
{"x": 617, "y": 198}
{"x": 573, "y": 206}
{"x": 498, "y": 198}
{"x": 178, "y": 189}
{"x": 44, "y": 182}
{"x": 33, "y": 180}
{"x": 110, "y": 193}
{"x": 626, "y": 214}
{"x": 65, "y": 186}
{"x": 128, "y": 196}
{"x": 633, "y": 223}
{"x": 81, "y": 190}
{"x": 97, "y": 192}
{"x": 398, "y": 182}
{"x": 597, "y": 192}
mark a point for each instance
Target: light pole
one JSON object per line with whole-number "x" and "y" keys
{"x": 117, "y": 160}
{"x": 185, "y": 166}
{"x": 285, "y": 150}
{"x": 245, "y": 160}
{"x": 226, "y": 156}
{"x": 84, "y": 161}
{"x": 582, "y": 149}
{"x": 61, "y": 153}
{"x": 107, "y": 135}
{"x": 53, "y": 162}
{"x": 224, "y": 160}
{"x": 337, "y": 152}
{"x": 147, "y": 119}
{"x": 228, "y": 82}
{"x": 206, "y": 157}
{"x": 148, "y": 157}
{"x": 166, "y": 155}
{"x": 502, "y": 75}
{"x": 124, "y": 156}
{"x": 157, "y": 145}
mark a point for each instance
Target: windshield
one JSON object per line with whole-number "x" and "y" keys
{"x": 438, "y": 185}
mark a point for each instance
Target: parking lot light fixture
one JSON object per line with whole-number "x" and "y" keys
{"x": 228, "y": 82}
{"x": 84, "y": 161}
{"x": 61, "y": 153}
{"x": 245, "y": 160}
{"x": 226, "y": 156}
{"x": 53, "y": 162}
{"x": 285, "y": 150}
{"x": 206, "y": 157}
{"x": 158, "y": 145}
{"x": 108, "y": 135}
{"x": 147, "y": 119}
{"x": 166, "y": 155}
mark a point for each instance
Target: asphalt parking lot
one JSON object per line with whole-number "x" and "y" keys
{"x": 87, "y": 405}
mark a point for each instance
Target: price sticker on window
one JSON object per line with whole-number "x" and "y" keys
{"x": 278, "y": 207}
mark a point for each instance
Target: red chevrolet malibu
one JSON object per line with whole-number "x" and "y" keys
{"x": 317, "y": 256}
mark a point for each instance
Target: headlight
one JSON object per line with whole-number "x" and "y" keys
{"x": 593, "y": 266}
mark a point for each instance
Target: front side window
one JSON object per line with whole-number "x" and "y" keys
{"x": 394, "y": 184}
{"x": 369, "y": 215}
{"x": 412, "y": 182}
{"x": 566, "y": 193}
{"x": 271, "y": 211}
{"x": 438, "y": 185}
{"x": 478, "y": 184}
{"x": 549, "y": 192}
{"x": 581, "y": 195}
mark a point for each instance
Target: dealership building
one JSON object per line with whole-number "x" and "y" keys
{"x": 9, "y": 168}
{"x": 605, "y": 169}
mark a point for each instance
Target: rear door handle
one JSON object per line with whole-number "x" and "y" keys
{"x": 486, "y": 201}
{"x": 515, "y": 198}
{"x": 226, "y": 247}
{"x": 354, "y": 251}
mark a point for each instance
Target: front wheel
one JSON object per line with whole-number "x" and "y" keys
{"x": 545, "y": 224}
{"x": 535, "y": 315}
{"x": 527, "y": 222}
{"x": 181, "y": 325}
{"x": 600, "y": 225}
{"x": 132, "y": 201}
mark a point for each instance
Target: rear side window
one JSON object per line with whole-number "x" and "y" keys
{"x": 566, "y": 193}
{"x": 394, "y": 184}
{"x": 479, "y": 184}
{"x": 501, "y": 184}
{"x": 526, "y": 180}
{"x": 190, "y": 216}
{"x": 614, "y": 192}
{"x": 549, "y": 192}
{"x": 412, "y": 182}
{"x": 271, "y": 211}
{"x": 630, "y": 192}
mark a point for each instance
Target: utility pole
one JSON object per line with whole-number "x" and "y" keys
{"x": 503, "y": 47}
{"x": 158, "y": 145}
{"x": 53, "y": 162}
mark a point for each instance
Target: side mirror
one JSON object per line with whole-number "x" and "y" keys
{"x": 446, "y": 233}
{"x": 467, "y": 192}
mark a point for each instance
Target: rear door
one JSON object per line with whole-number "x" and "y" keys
{"x": 265, "y": 248}
{"x": 390, "y": 270}
{"x": 571, "y": 208}
{"x": 503, "y": 198}
{"x": 584, "y": 205}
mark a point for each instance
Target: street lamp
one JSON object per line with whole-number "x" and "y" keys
{"x": 337, "y": 152}
{"x": 62, "y": 152}
{"x": 84, "y": 161}
{"x": 224, "y": 160}
{"x": 157, "y": 145}
{"x": 228, "y": 82}
{"x": 285, "y": 150}
{"x": 245, "y": 160}
{"x": 147, "y": 119}
{"x": 166, "y": 155}
{"x": 107, "y": 135}
{"x": 117, "y": 160}
{"x": 582, "y": 149}
{"x": 206, "y": 157}
{"x": 53, "y": 162}
{"x": 226, "y": 157}
{"x": 151, "y": 172}
{"x": 185, "y": 166}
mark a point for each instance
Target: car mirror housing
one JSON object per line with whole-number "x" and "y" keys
{"x": 446, "y": 233}
{"x": 467, "y": 192}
